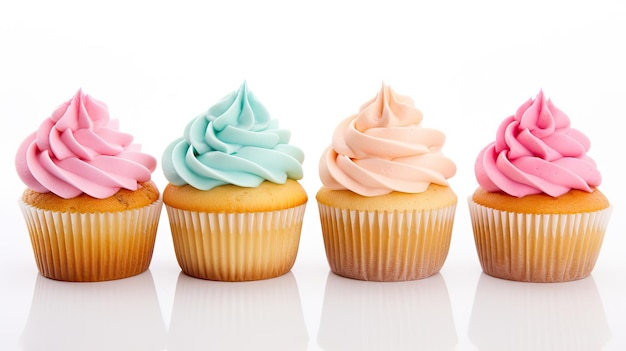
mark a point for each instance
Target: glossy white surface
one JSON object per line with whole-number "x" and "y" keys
{"x": 466, "y": 65}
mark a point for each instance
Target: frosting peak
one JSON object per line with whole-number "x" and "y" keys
{"x": 387, "y": 109}
{"x": 536, "y": 151}
{"x": 240, "y": 109}
{"x": 78, "y": 149}
{"x": 384, "y": 148}
{"x": 235, "y": 142}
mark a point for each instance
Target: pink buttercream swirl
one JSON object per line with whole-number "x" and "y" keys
{"x": 80, "y": 150}
{"x": 535, "y": 152}
{"x": 384, "y": 148}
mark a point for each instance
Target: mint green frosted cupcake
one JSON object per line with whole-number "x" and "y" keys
{"x": 233, "y": 200}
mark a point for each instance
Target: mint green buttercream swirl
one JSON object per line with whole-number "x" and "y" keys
{"x": 234, "y": 142}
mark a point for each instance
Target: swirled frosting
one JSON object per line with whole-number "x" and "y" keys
{"x": 78, "y": 149}
{"x": 234, "y": 142}
{"x": 384, "y": 148}
{"x": 536, "y": 152}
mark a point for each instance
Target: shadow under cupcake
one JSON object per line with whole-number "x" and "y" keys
{"x": 516, "y": 316}
{"x": 115, "y": 315}
{"x": 254, "y": 315}
{"x": 410, "y": 315}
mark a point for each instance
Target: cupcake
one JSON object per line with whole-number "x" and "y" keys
{"x": 385, "y": 205}
{"x": 90, "y": 205}
{"x": 233, "y": 198}
{"x": 537, "y": 214}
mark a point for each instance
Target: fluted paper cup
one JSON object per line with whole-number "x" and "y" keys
{"x": 81, "y": 247}
{"x": 537, "y": 247}
{"x": 236, "y": 246}
{"x": 386, "y": 245}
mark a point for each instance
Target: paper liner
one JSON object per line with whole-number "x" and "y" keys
{"x": 386, "y": 246}
{"x": 85, "y": 247}
{"x": 236, "y": 246}
{"x": 537, "y": 247}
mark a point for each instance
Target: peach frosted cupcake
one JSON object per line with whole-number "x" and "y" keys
{"x": 233, "y": 200}
{"x": 90, "y": 205}
{"x": 385, "y": 206}
{"x": 537, "y": 214}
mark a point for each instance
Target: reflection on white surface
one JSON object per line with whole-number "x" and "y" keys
{"x": 362, "y": 315}
{"x": 115, "y": 315}
{"x": 254, "y": 315}
{"x": 509, "y": 315}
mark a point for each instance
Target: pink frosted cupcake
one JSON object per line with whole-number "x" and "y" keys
{"x": 90, "y": 205}
{"x": 385, "y": 205}
{"x": 538, "y": 215}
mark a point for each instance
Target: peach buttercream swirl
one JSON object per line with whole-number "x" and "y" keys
{"x": 384, "y": 148}
{"x": 536, "y": 152}
{"x": 78, "y": 149}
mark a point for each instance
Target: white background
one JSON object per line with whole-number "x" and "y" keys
{"x": 467, "y": 65}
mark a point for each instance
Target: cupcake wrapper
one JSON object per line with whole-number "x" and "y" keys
{"x": 236, "y": 246}
{"x": 72, "y": 246}
{"x": 386, "y": 246}
{"x": 537, "y": 247}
